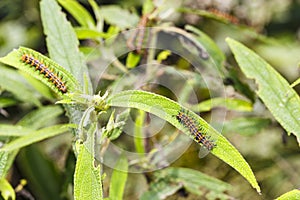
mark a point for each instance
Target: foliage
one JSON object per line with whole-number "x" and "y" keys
{"x": 131, "y": 73}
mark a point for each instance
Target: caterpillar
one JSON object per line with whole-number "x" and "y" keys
{"x": 139, "y": 35}
{"x": 190, "y": 124}
{"x": 43, "y": 69}
{"x": 224, "y": 15}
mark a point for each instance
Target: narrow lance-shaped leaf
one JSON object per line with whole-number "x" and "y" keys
{"x": 291, "y": 195}
{"x": 87, "y": 178}
{"x": 62, "y": 43}
{"x": 6, "y": 190}
{"x": 245, "y": 125}
{"x": 138, "y": 133}
{"x": 212, "y": 48}
{"x": 40, "y": 173}
{"x": 14, "y": 59}
{"x": 118, "y": 179}
{"x": 98, "y": 15}
{"x": 230, "y": 104}
{"x": 12, "y": 81}
{"x": 295, "y": 83}
{"x": 6, "y": 161}
{"x": 36, "y": 136}
{"x": 85, "y": 33}
{"x": 79, "y": 13}
{"x": 273, "y": 89}
{"x": 169, "y": 180}
{"x": 43, "y": 89}
{"x": 41, "y": 117}
{"x": 168, "y": 110}
{"x": 27, "y": 125}
{"x": 122, "y": 18}
{"x": 13, "y": 130}
{"x": 7, "y": 101}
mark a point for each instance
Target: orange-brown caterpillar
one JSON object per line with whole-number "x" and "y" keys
{"x": 40, "y": 66}
{"x": 189, "y": 123}
{"x": 224, "y": 15}
{"x": 137, "y": 37}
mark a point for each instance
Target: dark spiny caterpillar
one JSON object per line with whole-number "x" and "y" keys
{"x": 190, "y": 124}
{"x": 40, "y": 66}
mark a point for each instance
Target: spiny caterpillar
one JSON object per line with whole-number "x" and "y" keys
{"x": 40, "y": 66}
{"x": 138, "y": 35}
{"x": 190, "y": 124}
{"x": 224, "y": 15}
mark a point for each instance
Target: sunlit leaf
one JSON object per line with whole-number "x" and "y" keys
{"x": 62, "y": 42}
{"x": 273, "y": 89}
{"x": 83, "y": 17}
{"x": 14, "y": 59}
{"x": 118, "y": 179}
{"x": 87, "y": 178}
{"x": 117, "y": 16}
{"x": 228, "y": 103}
{"x": 36, "y": 136}
{"x": 168, "y": 110}
{"x": 7, "y": 191}
{"x": 291, "y": 195}
{"x": 170, "y": 180}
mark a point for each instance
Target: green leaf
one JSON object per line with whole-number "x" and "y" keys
{"x": 112, "y": 32}
{"x": 38, "y": 86}
{"x": 13, "y": 130}
{"x": 168, "y": 109}
{"x": 113, "y": 128}
{"x": 211, "y": 47}
{"x": 7, "y": 158}
{"x": 98, "y": 15}
{"x": 291, "y": 195}
{"x": 81, "y": 15}
{"x": 295, "y": 83}
{"x": 163, "y": 55}
{"x": 36, "y": 136}
{"x": 161, "y": 190}
{"x": 90, "y": 53}
{"x": 198, "y": 50}
{"x": 7, "y": 191}
{"x": 87, "y": 178}
{"x": 3, "y": 163}
{"x": 119, "y": 17}
{"x": 118, "y": 179}
{"x": 6, "y": 102}
{"x": 86, "y": 33}
{"x": 6, "y": 161}
{"x": 36, "y": 119}
{"x": 245, "y": 126}
{"x": 62, "y": 43}
{"x": 233, "y": 78}
{"x": 230, "y": 104}
{"x": 138, "y": 133}
{"x": 169, "y": 180}
{"x": 41, "y": 172}
{"x": 273, "y": 89}
{"x": 132, "y": 60}
{"x": 41, "y": 117}
{"x": 148, "y": 7}
{"x": 13, "y": 82}
{"x": 193, "y": 180}
{"x": 14, "y": 59}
